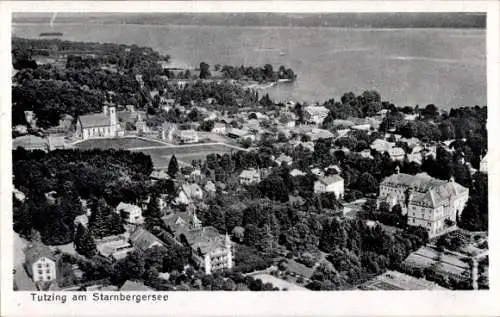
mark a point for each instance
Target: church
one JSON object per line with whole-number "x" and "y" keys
{"x": 99, "y": 125}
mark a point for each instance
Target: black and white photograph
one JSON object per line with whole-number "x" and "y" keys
{"x": 167, "y": 152}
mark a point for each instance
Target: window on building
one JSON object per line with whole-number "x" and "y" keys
{"x": 46, "y": 264}
{"x": 47, "y": 271}
{"x": 40, "y": 272}
{"x": 39, "y": 265}
{"x": 40, "y": 278}
{"x": 49, "y": 277}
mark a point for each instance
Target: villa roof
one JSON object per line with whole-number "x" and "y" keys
{"x": 204, "y": 239}
{"x": 143, "y": 239}
{"x": 94, "y": 120}
{"x": 426, "y": 190}
{"x": 36, "y": 251}
{"x": 127, "y": 207}
{"x": 134, "y": 286}
{"x": 331, "y": 179}
{"x": 29, "y": 141}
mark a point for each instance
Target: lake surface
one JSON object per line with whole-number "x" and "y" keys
{"x": 446, "y": 67}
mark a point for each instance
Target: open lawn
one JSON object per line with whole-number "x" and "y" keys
{"x": 184, "y": 153}
{"x": 117, "y": 143}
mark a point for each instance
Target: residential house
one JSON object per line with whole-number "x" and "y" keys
{"x": 143, "y": 240}
{"x": 188, "y": 136}
{"x": 296, "y": 172}
{"x": 330, "y": 184}
{"x": 382, "y": 146}
{"x": 168, "y": 131}
{"x": 316, "y": 134}
{"x": 131, "y": 213}
{"x": 219, "y": 128}
{"x": 427, "y": 201}
{"x": 40, "y": 263}
{"x": 397, "y": 154}
{"x": 116, "y": 247}
{"x": 483, "y": 165}
{"x": 315, "y": 114}
{"x": 284, "y": 159}
{"x": 250, "y": 177}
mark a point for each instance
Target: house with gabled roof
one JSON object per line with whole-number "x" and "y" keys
{"x": 330, "y": 184}
{"x": 143, "y": 240}
{"x": 40, "y": 263}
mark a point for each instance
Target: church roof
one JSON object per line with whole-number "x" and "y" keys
{"x": 94, "y": 120}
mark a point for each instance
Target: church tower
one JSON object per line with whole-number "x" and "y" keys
{"x": 113, "y": 121}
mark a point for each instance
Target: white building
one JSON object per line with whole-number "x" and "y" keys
{"x": 188, "y": 136}
{"x": 249, "y": 177}
{"x": 483, "y": 165}
{"x": 219, "y": 128}
{"x": 397, "y": 154}
{"x": 330, "y": 184}
{"x": 40, "y": 263}
{"x": 315, "y": 114}
{"x": 288, "y": 160}
{"x": 133, "y": 213}
{"x": 99, "y": 125}
{"x": 428, "y": 202}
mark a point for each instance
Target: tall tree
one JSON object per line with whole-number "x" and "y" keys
{"x": 173, "y": 167}
{"x": 84, "y": 242}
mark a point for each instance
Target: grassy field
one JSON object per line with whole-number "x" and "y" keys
{"x": 116, "y": 143}
{"x": 186, "y": 153}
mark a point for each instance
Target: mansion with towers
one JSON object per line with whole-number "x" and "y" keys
{"x": 428, "y": 202}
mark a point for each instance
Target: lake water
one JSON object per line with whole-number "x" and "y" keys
{"x": 446, "y": 67}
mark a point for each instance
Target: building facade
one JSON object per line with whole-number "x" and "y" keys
{"x": 330, "y": 184}
{"x": 428, "y": 202}
{"x": 99, "y": 125}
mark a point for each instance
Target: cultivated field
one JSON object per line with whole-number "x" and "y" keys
{"x": 184, "y": 153}
{"x": 117, "y": 143}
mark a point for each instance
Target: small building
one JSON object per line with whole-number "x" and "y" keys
{"x": 219, "y": 128}
{"x": 143, "y": 240}
{"x": 168, "y": 130}
{"x": 315, "y": 114}
{"x": 188, "y": 136}
{"x": 116, "y": 247}
{"x": 131, "y": 213}
{"x": 192, "y": 191}
{"x": 284, "y": 159}
{"x": 483, "y": 165}
{"x": 397, "y": 154}
{"x": 250, "y": 177}
{"x": 330, "y": 184}
{"x": 296, "y": 172}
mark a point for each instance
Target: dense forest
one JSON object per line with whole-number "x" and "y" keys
{"x": 54, "y": 182}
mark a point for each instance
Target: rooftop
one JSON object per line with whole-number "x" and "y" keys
{"x": 134, "y": 286}
{"x": 94, "y": 120}
{"x": 143, "y": 239}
